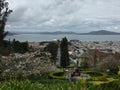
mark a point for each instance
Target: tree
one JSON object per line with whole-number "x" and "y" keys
{"x": 4, "y": 12}
{"x": 52, "y": 47}
{"x": 20, "y": 47}
{"x": 64, "y": 53}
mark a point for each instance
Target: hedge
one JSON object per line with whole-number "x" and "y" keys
{"x": 57, "y": 75}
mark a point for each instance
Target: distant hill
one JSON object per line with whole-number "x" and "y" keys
{"x": 58, "y": 32}
{"x": 100, "y": 32}
{"x": 17, "y": 33}
{"x": 11, "y": 33}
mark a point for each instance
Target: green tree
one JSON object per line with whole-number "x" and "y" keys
{"x": 64, "y": 53}
{"x": 4, "y": 12}
{"x": 20, "y": 47}
{"x": 52, "y": 47}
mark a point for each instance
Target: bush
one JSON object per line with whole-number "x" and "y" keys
{"x": 101, "y": 78}
{"x": 5, "y": 48}
{"x": 96, "y": 76}
{"x": 84, "y": 65}
{"x": 57, "y": 75}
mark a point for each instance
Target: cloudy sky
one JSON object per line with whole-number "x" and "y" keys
{"x": 64, "y": 15}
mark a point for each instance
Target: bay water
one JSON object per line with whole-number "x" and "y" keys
{"x": 49, "y": 37}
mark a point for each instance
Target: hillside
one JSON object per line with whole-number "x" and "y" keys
{"x": 100, "y": 32}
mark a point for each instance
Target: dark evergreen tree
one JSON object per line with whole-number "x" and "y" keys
{"x": 20, "y": 47}
{"x": 4, "y": 12}
{"x": 52, "y": 47}
{"x": 64, "y": 53}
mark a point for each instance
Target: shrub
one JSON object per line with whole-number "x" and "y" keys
{"x": 57, "y": 75}
{"x": 84, "y": 65}
{"x": 101, "y": 78}
{"x": 5, "y": 48}
{"x": 95, "y": 74}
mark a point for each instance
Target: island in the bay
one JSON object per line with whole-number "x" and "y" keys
{"x": 99, "y": 32}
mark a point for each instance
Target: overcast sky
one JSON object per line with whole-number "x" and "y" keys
{"x": 64, "y": 15}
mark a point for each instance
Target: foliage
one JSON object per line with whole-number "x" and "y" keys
{"x": 4, "y": 12}
{"x": 95, "y": 74}
{"x": 5, "y": 48}
{"x": 57, "y": 75}
{"x": 13, "y": 47}
{"x": 52, "y": 47}
{"x": 115, "y": 85}
{"x": 20, "y": 85}
{"x": 65, "y": 61}
{"x": 84, "y": 65}
{"x": 114, "y": 70}
{"x": 51, "y": 85}
{"x": 44, "y": 83}
{"x": 19, "y": 47}
{"x": 43, "y": 42}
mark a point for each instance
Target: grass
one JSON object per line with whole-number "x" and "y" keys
{"x": 102, "y": 82}
{"x": 53, "y": 85}
{"x": 96, "y": 82}
{"x": 20, "y": 85}
{"x": 44, "y": 83}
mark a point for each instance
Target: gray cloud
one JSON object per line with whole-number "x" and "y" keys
{"x": 69, "y": 15}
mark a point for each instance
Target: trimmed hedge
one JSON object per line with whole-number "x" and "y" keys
{"x": 57, "y": 75}
{"x": 96, "y": 76}
{"x": 66, "y": 67}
